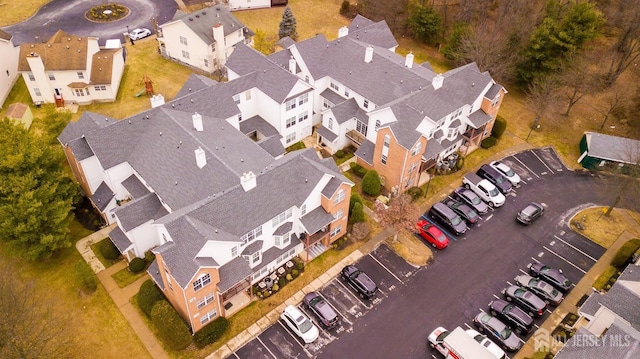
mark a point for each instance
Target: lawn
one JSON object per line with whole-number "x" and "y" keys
{"x": 105, "y": 262}
{"x": 16, "y": 11}
{"x": 602, "y": 229}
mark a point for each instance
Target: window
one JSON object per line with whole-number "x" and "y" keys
{"x": 206, "y": 300}
{"x": 80, "y": 75}
{"x": 239, "y": 117}
{"x": 249, "y": 237}
{"x": 416, "y": 148}
{"x": 291, "y": 137}
{"x": 36, "y": 91}
{"x": 234, "y": 251}
{"x": 168, "y": 276}
{"x": 303, "y": 209}
{"x": 52, "y": 77}
{"x": 306, "y": 78}
{"x": 335, "y": 86}
{"x": 336, "y": 230}
{"x": 79, "y": 92}
{"x": 183, "y": 40}
{"x": 236, "y": 98}
{"x": 290, "y": 122}
{"x": 240, "y": 31}
{"x": 291, "y": 104}
{"x": 452, "y": 132}
{"x": 339, "y": 214}
{"x": 361, "y": 127}
{"x": 255, "y": 258}
{"x": 185, "y": 54}
{"x": 247, "y": 95}
{"x": 201, "y": 282}
{"x": 303, "y": 116}
{"x": 495, "y": 100}
{"x": 31, "y": 77}
{"x": 303, "y": 99}
{"x": 286, "y": 239}
{"x": 339, "y": 197}
{"x": 206, "y": 63}
{"x": 387, "y": 140}
{"x": 100, "y": 88}
{"x": 330, "y": 124}
{"x": 413, "y": 167}
{"x": 207, "y": 317}
{"x": 366, "y": 103}
{"x": 378, "y": 123}
{"x": 277, "y": 220}
{"x": 326, "y": 103}
{"x": 383, "y": 159}
{"x": 346, "y": 92}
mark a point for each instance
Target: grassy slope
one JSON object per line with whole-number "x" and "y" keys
{"x": 15, "y": 11}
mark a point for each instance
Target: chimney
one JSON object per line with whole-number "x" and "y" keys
{"x": 218, "y": 38}
{"x": 408, "y": 62}
{"x": 292, "y": 65}
{"x": 344, "y": 31}
{"x": 201, "y": 157}
{"x": 197, "y": 122}
{"x": 437, "y": 81}
{"x": 248, "y": 181}
{"x": 368, "y": 54}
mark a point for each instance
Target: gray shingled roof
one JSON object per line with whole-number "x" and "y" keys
{"x": 331, "y": 187}
{"x": 327, "y": 133}
{"x": 493, "y": 91}
{"x": 154, "y": 272}
{"x": 348, "y": 110}
{"x": 120, "y": 240}
{"x": 613, "y": 148}
{"x": 102, "y": 197}
{"x": 273, "y": 145}
{"x": 316, "y": 220}
{"x": 80, "y": 148}
{"x": 136, "y": 188}
{"x": 201, "y": 22}
{"x": 479, "y": 118}
{"x": 619, "y": 341}
{"x": 140, "y": 211}
{"x": 88, "y": 122}
{"x": 365, "y": 151}
{"x": 233, "y": 272}
{"x": 432, "y": 150}
{"x": 251, "y": 248}
{"x": 283, "y": 229}
{"x": 374, "y": 33}
{"x": 332, "y": 96}
{"x": 257, "y": 123}
{"x": 285, "y": 42}
{"x": 195, "y": 83}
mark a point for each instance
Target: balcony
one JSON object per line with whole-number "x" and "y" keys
{"x": 356, "y": 137}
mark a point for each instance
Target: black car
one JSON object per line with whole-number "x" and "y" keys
{"x": 448, "y": 218}
{"x": 530, "y": 213}
{"x": 495, "y": 177}
{"x": 550, "y": 275}
{"x": 526, "y": 300}
{"x": 321, "y": 309}
{"x": 471, "y": 198}
{"x": 511, "y": 315}
{"x": 497, "y": 331}
{"x": 463, "y": 210}
{"x": 359, "y": 281}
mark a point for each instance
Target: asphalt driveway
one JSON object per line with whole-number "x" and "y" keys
{"x": 68, "y": 15}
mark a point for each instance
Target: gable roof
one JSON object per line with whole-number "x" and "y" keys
{"x": 102, "y": 196}
{"x": 201, "y": 22}
{"x": 62, "y": 52}
{"x": 139, "y": 211}
{"x": 88, "y": 122}
{"x": 374, "y": 33}
{"x": 102, "y": 66}
{"x": 5, "y": 35}
{"x": 613, "y": 148}
{"x": 195, "y": 82}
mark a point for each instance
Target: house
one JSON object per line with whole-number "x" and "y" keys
{"x": 598, "y": 150}
{"x": 404, "y": 118}
{"x": 20, "y": 113}
{"x": 609, "y": 323}
{"x": 8, "y": 65}
{"x": 254, "y": 4}
{"x": 72, "y": 69}
{"x": 203, "y": 39}
{"x": 203, "y": 182}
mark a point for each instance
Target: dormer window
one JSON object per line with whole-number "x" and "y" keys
{"x": 335, "y": 86}
{"x": 366, "y": 103}
{"x": 378, "y": 123}
{"x": 416, "y": 149}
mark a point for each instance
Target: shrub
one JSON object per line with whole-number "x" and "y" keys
{"x": 460, "y": 163}
{"x": 300, "y": 266}
{"x": 289, "y": 277}
{"x": 275, "y": 288}
{"x": 355, "y": 198}
{"x": 148, "y": 295}
{"x": 625, "y": 252}
{"x": 265, "y": 293}
{"x": 371, "y": 183}
{"x": 603, "y": 278}
{"x": 415, "y": 193}
{"x": 344, "y": 8}
{"x": 282, "y": 281}
{"x": 149, "y": 256}
{"x": 85, "y": 276}
{"x": 171, "y": 328}
{"x": 360, "y": 231}
{"x": 137, "y": 265}
{"x": 499, "y": 127}
{"x": 357, "y": 169}
{"x": 211, "y": 332}
{"x": 339, "y": 153}
{"x": 357, "y": 214}
{"x": 109, "y": 250}
{"x": 488, "y": 142}
{"x": 294, "y": 273}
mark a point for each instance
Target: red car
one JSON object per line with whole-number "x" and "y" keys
{"x": 432, "y": 234}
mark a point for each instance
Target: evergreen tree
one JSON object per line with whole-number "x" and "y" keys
{"x": 288, "y": 25}
{"x": 425, "y": 23}
{"x": 36, "y": 196}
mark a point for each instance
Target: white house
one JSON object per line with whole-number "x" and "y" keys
{"x": 8, "y": 65}
{"x": 254, "y": 4}
{"x": 203, "y": 39}
{"x": 72, "y": 69}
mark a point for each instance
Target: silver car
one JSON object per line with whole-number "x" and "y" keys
{"x": 541, "y": 288}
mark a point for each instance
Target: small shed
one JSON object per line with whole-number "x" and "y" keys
{"x": 20, "y": 113}
{"x": 598, "y": 150}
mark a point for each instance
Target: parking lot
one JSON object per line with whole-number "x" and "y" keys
{"x": 462, "y": 279}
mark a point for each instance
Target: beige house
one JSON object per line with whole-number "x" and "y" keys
{"x": 72, "y": 69}
{"x": 8, "y": 65}
{"x": 203, "y": 39}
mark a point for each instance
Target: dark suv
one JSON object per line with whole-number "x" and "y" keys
{"x": 463, "y": 210}
{"x": 448, "y": 218}
{"x": 321, "y": 309}
{"x": 495, "y": 177}
{"x": 359, "y": 281}
{"x": 511, "y": 315}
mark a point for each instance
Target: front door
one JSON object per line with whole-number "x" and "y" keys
{"x": 58, "y": 98}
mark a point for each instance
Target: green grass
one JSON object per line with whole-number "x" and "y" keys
{"x": 603, "y": 278}
{"x": 124, "y": 277}
{"x": 17, "y": 11}
{"x": 296, "y": 146}
{"x": 340, "y": 160}
{"x": 98, "y": 253}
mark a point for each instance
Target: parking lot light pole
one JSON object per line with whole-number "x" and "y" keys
{"x": 535, "y": 125}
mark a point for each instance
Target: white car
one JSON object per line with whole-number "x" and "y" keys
{"x": 507, "y": 172}
{"x": 487, "y": 343}
{"x": 139, "y": 33}
{"x": 300, "y": 324}
{"x": 436, "y": 339}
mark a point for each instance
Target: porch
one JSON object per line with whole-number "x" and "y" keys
{"x": 356, "y": 137}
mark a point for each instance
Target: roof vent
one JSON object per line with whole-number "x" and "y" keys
{"x": 190, "y": 19}
{"x": 368, "y": 54}
{"x": 408, "y": 62}
{"x": 68, "y": 47}
{"x": 197, "y": 16}
{"x": 160, "y": 133}
{"x": 204, "y": 13}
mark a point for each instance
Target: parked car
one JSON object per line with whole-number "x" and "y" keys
{"x": 530, "y": 213}
{"x": 486, "y": 190}
{"x": 540, "y": 288}
{"x": 300, "y": 324}
{"x": 511, "y": 315}
{"x": 507, "y": 172}
{"x": 448, "y": 218}
{"x": 487, "y": 343}
{"x": 359, "y": 281}
{"x": 550, "y": 275}
{"x": 432, "y": 234}
{"x": 472, "y": 199}
{"x": 139, "y": 33}
{"x": 321, "y": 309}
{"x": 494, "y": 176}
{"x": 526, "y": 300}
{"x": 497, "y": 331}
{"x": 436, "y": 340}
{"x": 463, "y": 210}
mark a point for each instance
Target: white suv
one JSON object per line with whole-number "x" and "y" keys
{"x": 300, "y": 324}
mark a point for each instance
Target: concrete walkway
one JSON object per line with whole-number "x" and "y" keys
{"x": 121, "y": 296}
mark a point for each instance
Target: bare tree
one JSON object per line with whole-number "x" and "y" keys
{"x": 615, "y": 102}
{"x": 630, "y": 171}
{"x": 400, "y": 214}
{"x": 542, "y": 96}
{"x": 579, "y": 79}
{"x": 626, "y": 50}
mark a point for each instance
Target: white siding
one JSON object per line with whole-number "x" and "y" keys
{"x": 8, "y": 68}
{"x": 248, "y": 4}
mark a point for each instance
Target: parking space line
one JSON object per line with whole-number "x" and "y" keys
{"x": 525, "y": 166}
{"x": 354, "y": 295}
{"x": 235, "y": 355}
{"x": 295, "y": 338}
{"x": 536, "y": 325}
{"x": 495, "y": 296}
{"x": 523, "y": 272}
{"x": 467, "y": 325}
{"x": 544, "y": 163}
{"x": 548, "y": 311}
{"x": 564, "y": 259}
{"x": 578, "y": 250}
{"x": 385, "y": 267}
{"x": 509, "y": 283}
{"x": 261, "y": 342}
{"x": 537, "y": 261}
